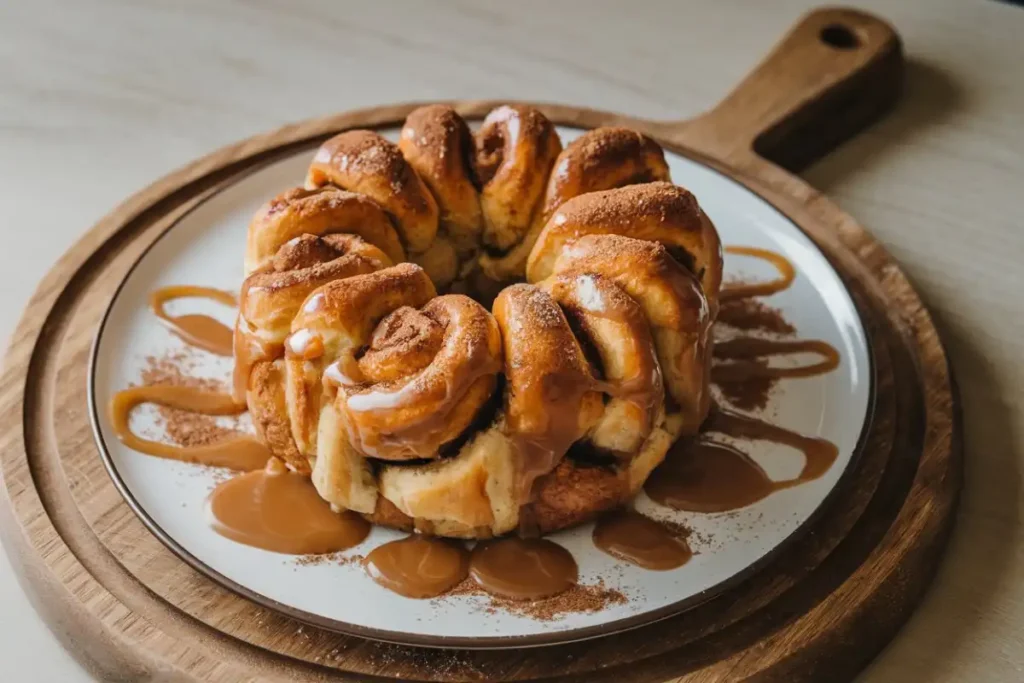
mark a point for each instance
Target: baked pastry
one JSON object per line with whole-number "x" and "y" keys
{"x": 432, "y": 412}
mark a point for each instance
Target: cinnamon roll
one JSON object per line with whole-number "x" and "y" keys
{"x": 600, "y": 159}
{"x": 656, "y": 212}
{"x": 365, "y": 163}
{"x": 437, "y": 143}
{"x": 271, "y": 297}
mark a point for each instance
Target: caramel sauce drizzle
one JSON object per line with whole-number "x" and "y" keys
{"x": 747, "y": 356}
{"x": 704, "y": 475}
{"x": 819, "y": 454}
{"x": 243, "y": 452}
{"x": 787, "y": 273}
{"x": 709, "y": 476}
{"x": 278, "y": 510}
{"x": 195, "y": 329}
{"x": 418, "y": 566}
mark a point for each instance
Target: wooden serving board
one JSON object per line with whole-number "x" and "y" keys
{"x": 131, "y": 610}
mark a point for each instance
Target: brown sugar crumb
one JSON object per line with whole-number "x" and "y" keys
{"x": 183, "y": 427}
{"x": 580, "y": 598}
{"x": 749, "y": 314}
{"x": 466, "y": 587}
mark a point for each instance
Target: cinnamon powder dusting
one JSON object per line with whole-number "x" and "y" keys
{"x": 578, "y": 599}
{"x": 339, "y": 558}
{"x": 749, "y": 315}
{"x": 183, "y": 427}
{"x": 751, "y": 394}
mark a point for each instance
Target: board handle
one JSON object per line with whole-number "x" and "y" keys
{"x": 837, "y": 71}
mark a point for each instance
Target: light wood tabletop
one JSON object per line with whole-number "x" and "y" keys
{"x": 100, "y": 97}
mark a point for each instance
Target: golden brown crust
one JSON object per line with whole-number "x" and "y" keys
{"x": 269, "y": 411}
{"x": 673, "y": 303}
{"x": 575, "y": 493}
{"x": 441, "y": 262}
{"x": 658, "y": 212}
{"x": 451, "y": 352}
{"x": 364, "y": 162}
{"x": 515, "y": 149}
{"x": 614, "y": 325}
{"x": 318, "y": 212}
{"x": 603, "y": 159}
{"x": 600, "y": 159}
{"x": 272, "y": 295}
{"x": 437, "y": 143}
{"x": 347, "y": 310}
{"x": 386, "y": 514}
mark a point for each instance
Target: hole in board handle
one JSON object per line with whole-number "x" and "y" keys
{"x": 840, "y": 37}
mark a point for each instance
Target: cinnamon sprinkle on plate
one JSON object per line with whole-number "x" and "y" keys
{"x": 183, "y": 427}
{"x": 580, "y": 598}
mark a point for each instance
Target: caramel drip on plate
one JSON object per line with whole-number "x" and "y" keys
{"x": 523, "y": 569}
{"x": 747, "y": 358}
{"x": 640, "y": 540}
{"x": 242, "y": 453}
{"x": 706, "y": 476}
{"x": 819, "y": 454}
{"x": 787, "y": 273}
{"x": 195, "y": 329}
{"x": 278, "y": 510}
{"x": 418, "y": 566}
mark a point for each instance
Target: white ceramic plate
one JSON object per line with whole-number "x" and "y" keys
{"x": 205, "y": 248}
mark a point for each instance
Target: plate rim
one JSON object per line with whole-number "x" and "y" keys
{"x": 717, "y": 166}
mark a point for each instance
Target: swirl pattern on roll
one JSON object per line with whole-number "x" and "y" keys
{"x": 428, "y": 411}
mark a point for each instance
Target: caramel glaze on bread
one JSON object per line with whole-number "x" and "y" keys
{"x": 545, "y": 397}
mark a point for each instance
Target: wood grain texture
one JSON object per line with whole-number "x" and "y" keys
{"x": 933, "y": 181}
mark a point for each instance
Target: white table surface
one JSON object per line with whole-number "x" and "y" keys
{"x": 100, "y": 97}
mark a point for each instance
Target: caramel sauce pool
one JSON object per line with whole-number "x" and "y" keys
{"x": 278, "y": 510}
{"x": 418, "y": 566}
{"x": 195, "y": 329}
{"x": 243, "y": 452}
{"x": 523, "y": 569}
{"x": 640, "y": 540}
